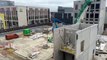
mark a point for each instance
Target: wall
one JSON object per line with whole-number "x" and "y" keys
{"x": 106, "y": 16}
{"x": 22, "y": 18}
{"x": 102, "y": 16}
{"x": 89, "y": 35}
{"x": 58, "y": 33}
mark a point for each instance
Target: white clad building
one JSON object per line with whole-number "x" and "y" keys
{"x": 94, "y": 15}
{"x": 18, "y": 16}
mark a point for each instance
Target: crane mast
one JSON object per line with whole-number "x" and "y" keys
{"x": 82, "y": 11}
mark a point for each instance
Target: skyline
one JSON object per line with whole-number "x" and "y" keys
{"x": 52, "y": 4}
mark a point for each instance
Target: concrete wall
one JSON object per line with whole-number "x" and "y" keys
{"x": 57, "y": 43}
{"x": 106, "y": 16}
{"x": 89, "y": 35}
{"x": 85, "y": 32}
{"x": 22, "y": 20}
{"x": 102, "y": 16}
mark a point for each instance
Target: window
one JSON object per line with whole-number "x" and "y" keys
{"x": 88, "y": 9}
{"x": 41, "y": 21}
{"x": 86, "y": 19}
{"x": 76, "y": 36}
{"x": 32, "y": 22}
{"x": 97, "y": 0}
{"x": 10, "y": 24}
{"x": 91, "y": 22}
{"x": 91, "y": 19}
{"x": 96, "y": 19}
{"x": 97, "y": 10}
{"x": 75, "y": 15}
{"x": 87, "y": 22}
{"x": 76, "y": 7}
{"x": 91, "y": 15}
{"x": 37, "y": 21}
{"x": 92, "y": 6}
{"x": 87, "y": 16}
{"x": 95, "y": 22}
{"x": 96, "y": 15}
{"x": 82, "y": 46}
{"x": 16, "y": 23}
{"x": 81, "y": 5}
{"x": 97, "y": 6}
{"x": 13, "y": 23}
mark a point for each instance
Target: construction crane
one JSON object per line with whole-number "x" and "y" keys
{"x": 80, "y": 15}
{"x": 82, "y": 11}
{"x": 55, "y": 21}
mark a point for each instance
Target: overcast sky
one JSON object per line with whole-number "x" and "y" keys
{"x": 52, "y": 4}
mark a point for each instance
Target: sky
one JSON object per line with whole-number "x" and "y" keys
{"x": 52, "y": 4}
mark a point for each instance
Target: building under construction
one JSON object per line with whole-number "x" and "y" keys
{"x": 75, "y": 42}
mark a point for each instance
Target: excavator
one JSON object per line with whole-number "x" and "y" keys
{"x": 80, "y": 15}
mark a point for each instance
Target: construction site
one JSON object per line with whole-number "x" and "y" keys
{"x": 36, "y": 33}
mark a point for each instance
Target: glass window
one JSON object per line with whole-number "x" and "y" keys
{"x": 97, "y": 6}
{"x": 76, "y": 7}
{"x": 96, "y": 15}
{"x": 82, "y": 46}
{"x": 97, "y": 0}
{"x": 32, "y": 22}
{"x": 13, "y": 23}
{"x": 75, "y": 15}
{"x": 96, "y": 19}
{"x": 87, "y": 16}
{"x": 92, "y": 6}
{"x": 91, "y": 22}
{"x": 91, "y": 19}
{"x": 91, "y": 15}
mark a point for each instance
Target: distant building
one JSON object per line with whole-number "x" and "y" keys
{"x": 65, "y": 14}
{"x": 94, "y": 15}
{"x": 6, "y": 3}
{"x": 106, "y": 18}
{"x": 19, "y": 16}
{"x": 65, "y": 10}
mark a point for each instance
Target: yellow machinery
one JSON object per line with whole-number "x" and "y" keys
{"x": 3, "y": 20}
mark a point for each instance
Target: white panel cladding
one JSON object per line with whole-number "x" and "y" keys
{"x": 89, "y": 36}
{"x": 22, "y": 20}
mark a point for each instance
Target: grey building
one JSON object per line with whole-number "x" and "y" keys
{"x": 65, "y": 10}
{"x": 65, "y": 14}
{"x": 95, "y": 13}
{"x": 6, "y": 3}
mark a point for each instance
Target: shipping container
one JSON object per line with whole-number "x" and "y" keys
{"x": 11, "y": 36}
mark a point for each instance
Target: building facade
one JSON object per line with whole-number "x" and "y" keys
{"x": 65, "y": 14}
{"x": 95, "y": 13}
{"x": 6, "y": 3}
{"x": 19, "y": 16}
